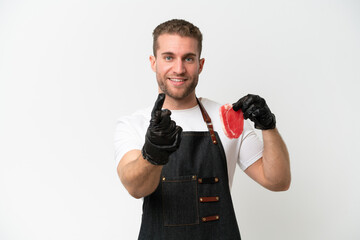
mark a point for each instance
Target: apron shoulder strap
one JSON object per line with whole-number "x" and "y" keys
{"x": 208, "y": 122}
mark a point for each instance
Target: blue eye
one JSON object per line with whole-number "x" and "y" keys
{"x": 168, "y": 58}
{"x": 189, "y": 59}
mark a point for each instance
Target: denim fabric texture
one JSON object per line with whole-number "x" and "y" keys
{"x": 175, "y": 211}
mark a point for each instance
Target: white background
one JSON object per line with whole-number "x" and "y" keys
{"x": 70, "y": 68}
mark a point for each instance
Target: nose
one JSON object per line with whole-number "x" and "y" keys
{"x": 179, "y": 67}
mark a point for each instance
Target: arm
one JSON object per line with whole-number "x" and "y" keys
{"x": 272, "y": 171}
{"x": 139, "y": 177}
{"x": 139, "y": 171}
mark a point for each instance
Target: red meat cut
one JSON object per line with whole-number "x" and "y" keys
{"x": 232, "y": 121}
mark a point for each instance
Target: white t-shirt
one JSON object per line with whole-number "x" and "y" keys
{"x": 245, "y": 150}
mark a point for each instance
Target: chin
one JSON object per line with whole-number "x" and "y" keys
{"x": 177, "y": 96}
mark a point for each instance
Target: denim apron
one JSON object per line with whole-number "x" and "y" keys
{"x": 193, "y": 200}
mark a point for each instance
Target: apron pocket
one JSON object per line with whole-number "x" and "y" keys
{"x": 180, "y": 200}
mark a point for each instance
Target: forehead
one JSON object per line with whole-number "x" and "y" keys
{"x": 177, "y": 44}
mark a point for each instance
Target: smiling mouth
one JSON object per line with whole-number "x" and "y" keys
{"x": 177, "y": 79}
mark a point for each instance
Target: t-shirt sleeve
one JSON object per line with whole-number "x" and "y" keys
{"x": 126, "y": 138}
{"x": 251, "y": 147}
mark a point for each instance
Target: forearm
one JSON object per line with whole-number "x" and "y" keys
{"x": 139, "y": 177}
{"x": 276, "y": 163}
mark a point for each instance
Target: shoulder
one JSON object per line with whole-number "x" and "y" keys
{"x": 212, "y": 108}
{"x": 130, "y": 131}
{"x": 135, "y": 123}
{"x": 208, "y": 103}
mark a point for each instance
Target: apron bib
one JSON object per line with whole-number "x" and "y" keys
{"x": 193, "y": 198}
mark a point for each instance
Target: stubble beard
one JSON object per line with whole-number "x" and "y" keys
{"x": 165, "y": 89}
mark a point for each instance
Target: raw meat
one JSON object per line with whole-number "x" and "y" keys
{"x": 232, "y": 122}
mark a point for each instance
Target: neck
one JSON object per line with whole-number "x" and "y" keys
{"x": 176, "y": 104}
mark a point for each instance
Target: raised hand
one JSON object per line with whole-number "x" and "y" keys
{"x": 255, "y": 108}
{"x": 163, "y": 136}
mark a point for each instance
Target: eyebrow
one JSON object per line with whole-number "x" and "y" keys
{"x": 186, "y": 55}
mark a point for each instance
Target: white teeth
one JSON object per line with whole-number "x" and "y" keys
{"x": 176, "y": 80}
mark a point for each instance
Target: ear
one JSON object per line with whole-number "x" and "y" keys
{"x": 201, "y": 64}
{"x": 153, "y": 63}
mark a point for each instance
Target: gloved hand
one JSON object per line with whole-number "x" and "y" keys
{"x": 163, "y": 136}
{"x": 255, "y": 108}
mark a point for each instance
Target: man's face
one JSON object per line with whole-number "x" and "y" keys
{"x": 177, "y": 65}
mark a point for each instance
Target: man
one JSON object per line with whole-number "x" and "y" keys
{"x": 182, "y": 163}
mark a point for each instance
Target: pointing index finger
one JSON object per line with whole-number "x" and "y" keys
{"x": 158, "y": 104}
